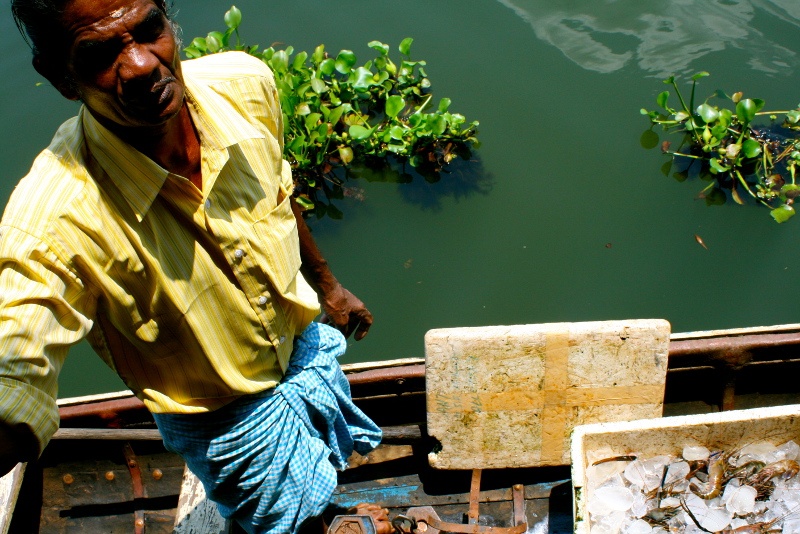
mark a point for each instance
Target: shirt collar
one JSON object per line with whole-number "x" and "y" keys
{"x": 138, "y": 177}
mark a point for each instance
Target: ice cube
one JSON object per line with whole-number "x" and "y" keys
{"x": 639, "y": 527}
{"x": 654, "y": 471}
{"x": 740, "y": 500}
{"x": 670, "y": 502}
{"x": 597, "y": 475}
{"x": 789, "y": 450}
{"x": 677, "y": 472}
{"x": 710, "y": 517}
{"x": 694, "y": 453}
{"x": 614, "y": 498}
{"x": 758, "y": 451}
{"x": 640, "y": 504}
{"x": 635, "y": 473}
{"x": 791, "y": 525}
{"x": 609, "y": 524}
{"x": 715, "y": 519}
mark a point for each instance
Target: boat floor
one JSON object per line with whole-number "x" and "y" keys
{"x": 87, "y": 486}
{"x": 90, "y": 486}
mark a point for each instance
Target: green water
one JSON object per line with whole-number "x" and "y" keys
{"x": 564, "y": 216}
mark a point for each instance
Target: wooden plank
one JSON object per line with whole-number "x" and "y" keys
{"x": 120, "y": 434}
{"x": 368, "y": 366}
{"x": 708, "y": 334}
{"x": 509, "y": 396}
{"x": 196, "y": 514}
{"x": 91, "y": 399}
{"x": 9, "y": 491}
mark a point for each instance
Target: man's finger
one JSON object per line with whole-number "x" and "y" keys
{"x": 362, "y": 330}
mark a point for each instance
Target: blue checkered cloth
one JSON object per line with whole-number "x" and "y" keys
{"x": 269, "y": 460}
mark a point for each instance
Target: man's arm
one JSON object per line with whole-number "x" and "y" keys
{"x": 342, "y": 308}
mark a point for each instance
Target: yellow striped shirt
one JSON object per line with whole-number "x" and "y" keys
{"x": 192, "y": 297}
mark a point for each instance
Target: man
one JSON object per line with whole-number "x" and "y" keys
{"x": 159, "y": 225}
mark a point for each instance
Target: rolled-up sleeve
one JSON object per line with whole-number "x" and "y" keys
{"x": 44, "y": 310}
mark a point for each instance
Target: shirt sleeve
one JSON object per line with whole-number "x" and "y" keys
{"x": 276, "y": 125}
{"x": 42, "y": 313}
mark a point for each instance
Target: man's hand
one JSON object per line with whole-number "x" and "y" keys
{"x": 346, "y": 312}
{"x": 342, "y": 309}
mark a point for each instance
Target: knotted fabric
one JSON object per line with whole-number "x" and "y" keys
{"x": 269, "y": 460}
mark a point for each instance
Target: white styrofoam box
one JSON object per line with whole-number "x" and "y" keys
{"x": 669, "y": 435}
{"x": 509, "y": 396}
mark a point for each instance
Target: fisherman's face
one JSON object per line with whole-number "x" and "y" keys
{"x": 122, "y": 62}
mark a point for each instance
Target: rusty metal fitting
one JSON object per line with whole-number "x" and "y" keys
{"x": 109, "y": 475}
{"x": 68, "y": 479}
{"x": 352, "y": 524}
{"x": 157, "y": 474}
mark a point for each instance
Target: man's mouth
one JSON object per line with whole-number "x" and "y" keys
{"x": 158, "y": 94}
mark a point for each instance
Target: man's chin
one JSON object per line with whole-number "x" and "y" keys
{"x": 149, "y": 117}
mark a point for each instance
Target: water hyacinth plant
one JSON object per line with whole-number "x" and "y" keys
{"x": 720, "y": 139}
{"x": 337, "y": 113}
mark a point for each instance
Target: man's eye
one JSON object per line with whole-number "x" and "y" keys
{"x": 149, "y": 31}
{"x": 96, "y": 57}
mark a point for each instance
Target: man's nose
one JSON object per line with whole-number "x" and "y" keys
{"x": 137, "y": 63}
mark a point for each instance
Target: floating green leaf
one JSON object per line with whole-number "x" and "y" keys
{"x": 751, "y": 148}
{"x": 319, "y": 85}
{"x": 363, "y": 79}
{"x": 782, "y": 213}
{"x": 358, "y": 132}
{"x": 405, "y": 46}
{"x": 707, "y": 113}
{"x": 746, "y": 110}
{"x": 345, "y": 61}
{"x": 233, "y": 17}
{"x": 717, "y": 167}
{"x": 394, "y": 105}
{"x": 662, "y": 100}
{"x": 649, "y": 139}
{"x": 380, "y": 47}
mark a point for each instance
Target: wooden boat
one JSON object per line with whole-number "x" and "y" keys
{"x": 107, "y": 471}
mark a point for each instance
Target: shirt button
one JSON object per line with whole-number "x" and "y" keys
{"x": 238, "y": 253}
{"x": 283, "y": 338}
{"x": 208, "y": 203}
{"x": 262, "y": 300}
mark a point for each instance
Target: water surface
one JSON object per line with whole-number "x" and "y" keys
{"x": 564, "y": 217}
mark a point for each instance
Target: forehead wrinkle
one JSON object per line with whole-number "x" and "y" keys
{"x": 97, "y": 29}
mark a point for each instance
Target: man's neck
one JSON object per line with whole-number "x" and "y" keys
{"x": 175, "y": 145}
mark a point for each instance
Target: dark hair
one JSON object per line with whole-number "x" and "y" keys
{"x": 39, "y": 22}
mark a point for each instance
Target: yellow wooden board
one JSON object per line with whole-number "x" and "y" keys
{"x": 509, "y": 396}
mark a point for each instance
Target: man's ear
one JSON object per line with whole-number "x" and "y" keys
{"x": 57, "y": 76}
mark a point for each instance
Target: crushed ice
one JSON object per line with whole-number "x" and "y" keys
{"x": 634, "y": 495}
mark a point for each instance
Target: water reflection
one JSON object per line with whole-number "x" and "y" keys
{"x": 661, "y": 38}
{"x": 458, "y": 180}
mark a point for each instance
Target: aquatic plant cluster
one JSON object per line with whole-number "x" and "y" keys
{"x": 751, "y": 490}
{"x": 337, "y": 113}
{"x": 722, "y": 145}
